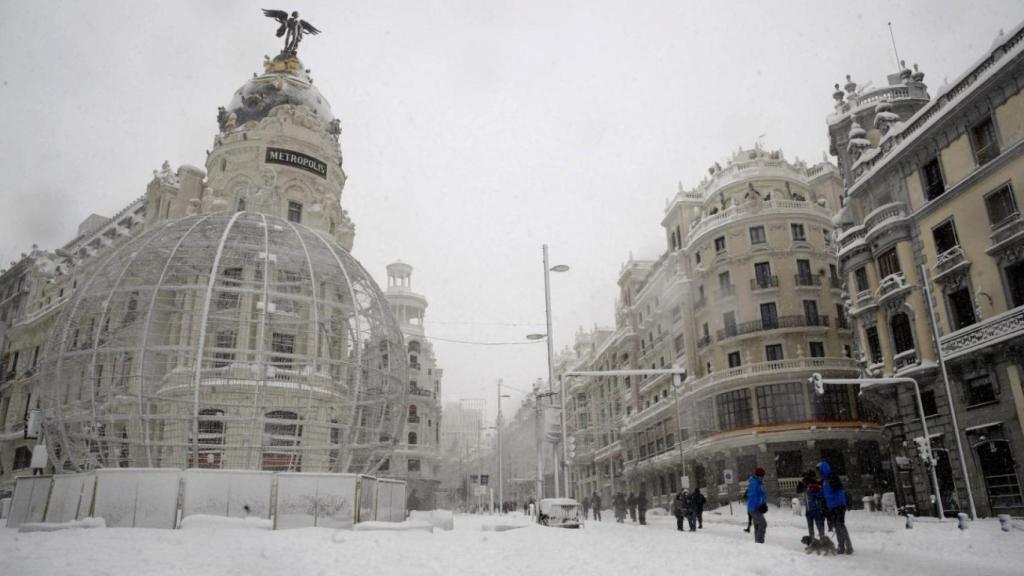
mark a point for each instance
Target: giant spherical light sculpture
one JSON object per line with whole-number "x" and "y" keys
{"x": 226, "y": 340}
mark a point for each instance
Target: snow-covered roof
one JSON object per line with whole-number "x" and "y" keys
{"x": 900, "y": 136}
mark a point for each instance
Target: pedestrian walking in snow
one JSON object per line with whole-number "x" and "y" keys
{"x": 698, "y": 505}
{"x": 619, "y": 502}
{"x": 836, "y": 502}
{"x": 641, "y": 507}
{"x": 631, "y": 502}
{"x": 679, "y": 510}
{"x": 757, "y": 504}
{"x": 595, "y": 502}
{"x": 691, "y": 510}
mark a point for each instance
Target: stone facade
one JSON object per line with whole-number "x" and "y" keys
{"x": 932, "y": 223}
{"x": 746, "y": 298}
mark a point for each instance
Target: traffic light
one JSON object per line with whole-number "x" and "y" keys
{"x": 819, "y": 386}
{"x": 571, "y": 446}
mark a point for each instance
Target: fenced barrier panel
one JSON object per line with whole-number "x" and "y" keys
{"x": 325, "y": 500}
{"x": 231, "y": 493}
{"x": 148, "y": 497}
{"x": 66, "y": 497}
{"x": 136, "y": 497}
{"x": 367, "y": 499}
{"x": 88, "y": 495}
{"x": 390, "y": 500}
{"x": 29, "y": 501}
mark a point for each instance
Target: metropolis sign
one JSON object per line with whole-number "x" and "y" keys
{"x": 297, "y": 160}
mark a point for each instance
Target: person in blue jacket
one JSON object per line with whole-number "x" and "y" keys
{"x": 757, "y": 504}
{"x": 836, "y": 502}
{"x": 809, "y": 491}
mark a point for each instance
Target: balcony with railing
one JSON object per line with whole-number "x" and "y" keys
{"x": 779, "y": 323}
{"x": 417, "y": 391}
{"x": 949, "y": 264}
{"x": 892, "y": 286}
{"x": 764, "y": 282}
{"x": 658, "y": 409}
{"x": 999, "y": 328}
{"x": 905, "y": 360}
{"x": 704, "y": 341}
{"x": 1006, "y": 234}
{"x": 807, "y": 280}
{"x": 739, "y": 211}
{"x": 862, "y": 302}
{"x": 851, "y": 240}
{"x": 846, "y": 367}
{"x": 726, "y": 290}
{"x": 884, "y": 218}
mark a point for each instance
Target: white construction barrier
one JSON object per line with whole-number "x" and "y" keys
{"x": 390, "y": 500}
{"x": 66, "y": 497}
{"x": 325, "y": 500}
{"x": 230, "y": 493}
{"x": 367, "y": 499}
{"x": 137, "y": 497}
{"x": 29, "y": 501}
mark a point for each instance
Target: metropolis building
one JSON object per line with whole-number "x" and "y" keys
{"x": 219, "y": 321}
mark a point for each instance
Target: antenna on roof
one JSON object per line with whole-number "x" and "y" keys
{"x": 894, "y": 50}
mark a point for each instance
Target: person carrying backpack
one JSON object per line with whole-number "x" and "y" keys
{"x": 836, "y": 502}
{"x": 809, "y": 490}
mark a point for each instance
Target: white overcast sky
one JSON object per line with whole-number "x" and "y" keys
{"x": 474, "y": 130}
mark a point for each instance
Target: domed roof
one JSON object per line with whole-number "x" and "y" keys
{"x": 226, "y": 340}
{"x": 284, "y": 81}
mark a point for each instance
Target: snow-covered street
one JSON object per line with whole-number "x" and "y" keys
{"x": 882, "y": 544}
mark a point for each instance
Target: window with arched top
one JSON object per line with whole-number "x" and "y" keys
{"x": 412, "y": 438}
{"x": 902, "y": 334}
{"x": 414, "y": 347}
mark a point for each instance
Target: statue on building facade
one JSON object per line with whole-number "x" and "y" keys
{"x": 292, "y": 28}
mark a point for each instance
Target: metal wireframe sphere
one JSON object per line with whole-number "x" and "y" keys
{"x": 226, "y": 340}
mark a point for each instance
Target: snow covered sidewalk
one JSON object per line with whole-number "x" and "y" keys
{"x": 883, "y": 546}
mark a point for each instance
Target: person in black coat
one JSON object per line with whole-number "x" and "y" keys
{"x": 641, "y": 507}
{"x": 631, "y": 502}
{"x": 698, "y": 505}
{"x": 679, "y": 509}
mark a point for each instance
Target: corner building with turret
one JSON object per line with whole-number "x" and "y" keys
{"x": 746, "y": 298}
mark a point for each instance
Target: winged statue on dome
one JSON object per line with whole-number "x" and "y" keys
{"x": 291, "y": 27}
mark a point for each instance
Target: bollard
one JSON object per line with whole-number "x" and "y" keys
{"x": 961, "y": 520}
{"x": 910, "y": 521}
{"x": 1004, "y": 522}
{"x": 795, "y": 505}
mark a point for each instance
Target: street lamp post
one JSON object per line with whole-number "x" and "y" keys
{"x": 501, "y": 476}
{"x": 949, "y": 394}
{"x": 819, "y": 383}
{"x": 551, "y": 354}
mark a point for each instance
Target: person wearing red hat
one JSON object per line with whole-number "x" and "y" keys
{"x": 757, "y": 504}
